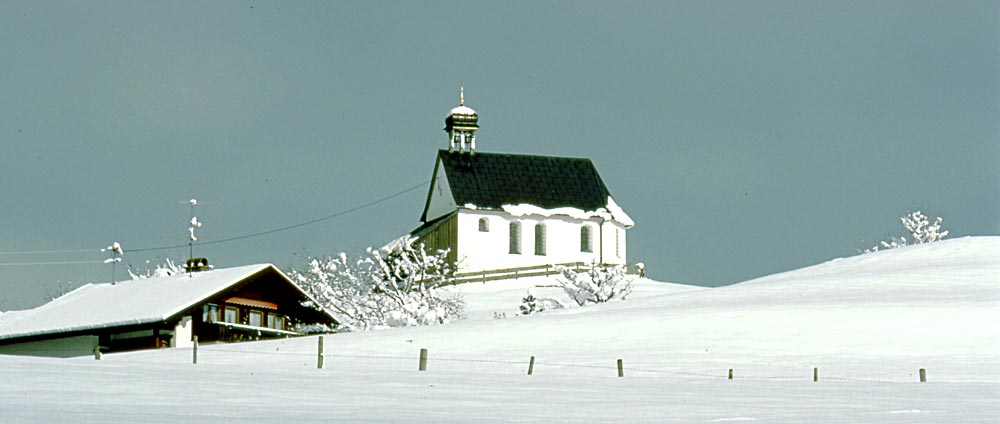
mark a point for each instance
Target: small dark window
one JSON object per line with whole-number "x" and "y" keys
{"x": 586, "y": 242}
{"x": 231, "y": 314}
{"x": 484, "y": 225}
{"x": 539, "y": 239}
{"x": 515, "y": 238}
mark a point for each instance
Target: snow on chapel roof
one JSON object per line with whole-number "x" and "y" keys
{"x": 132, "y": 302}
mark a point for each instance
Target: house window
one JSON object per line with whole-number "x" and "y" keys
{"x": 275, "y": 321}
{"x": 515, "y": 237}
{"x": 256, "y": 318}
{"x": 539, "y": 239}
{"x": 586, "y": 239}
{"x": 210, "y": 313}
{"x": 231, "y": 314}
{"x": 484, "y": 225}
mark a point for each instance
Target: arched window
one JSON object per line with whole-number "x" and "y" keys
{"x": 539, "y": 239}
{"x": 586, "y": 242}
{"x": 618, "y": 242}
{"x": 484, "y": 225}
{"x": 515, "y": 238}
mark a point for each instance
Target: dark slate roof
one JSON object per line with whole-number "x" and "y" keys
{"x": 491, "y": 180}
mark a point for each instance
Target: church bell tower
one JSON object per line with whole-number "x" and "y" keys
{"x": 461, "y": 125}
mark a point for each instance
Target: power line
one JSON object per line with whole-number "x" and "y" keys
{"x": 226, "y": 240}
{"x": 38, "y": 252}
{"x": 49, "y": 263}
{"x": 290, "y": 227}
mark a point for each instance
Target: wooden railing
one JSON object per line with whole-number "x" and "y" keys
{"x": 531, "y": 271}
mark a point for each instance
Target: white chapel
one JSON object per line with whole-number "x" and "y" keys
{"x": 496, "y": 210}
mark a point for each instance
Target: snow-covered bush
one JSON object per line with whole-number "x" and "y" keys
{"x": 921, "y": 231}
{"x": 597, "y": 284}
{"x": 165, "y": 269}
{"x": 530, "y": 304}
{"x": 395, "y": 286}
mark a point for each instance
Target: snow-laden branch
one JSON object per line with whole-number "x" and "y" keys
{"x": 921, "y": 231}
{"x": 395, "y": 286}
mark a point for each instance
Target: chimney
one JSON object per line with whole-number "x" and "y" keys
{"x": 197, "y": 265}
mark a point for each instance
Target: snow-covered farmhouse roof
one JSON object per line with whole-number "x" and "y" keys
{"x": 498, "y": 180}
{"x": 135, "y": 302}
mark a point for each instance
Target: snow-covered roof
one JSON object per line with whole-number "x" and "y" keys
{"x": 610, "y": 212}
{"x": 500, "y": 181}
{"x": 106, "y": 305}
{"x": 462, "y": 110}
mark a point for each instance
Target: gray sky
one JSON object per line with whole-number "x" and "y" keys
{"x": 744, "y": 138}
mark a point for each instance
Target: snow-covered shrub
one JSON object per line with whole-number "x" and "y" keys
{"x": 921, "y": 231}
{"x": 530, "y": 304}
{"x": 597, "y": 284}
{"x": 165, "y": 269}
{"x": 395, "y": 286}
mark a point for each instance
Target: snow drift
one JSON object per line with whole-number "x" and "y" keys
{"x": 867, "y": 322}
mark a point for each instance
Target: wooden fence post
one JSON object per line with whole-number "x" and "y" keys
{"x": 423, "y": 360}
{"x": 194, "y": 350}
{"x": 816, "y": 374}
{"x": 730, "y": 373}
{"x": 621, "y": 370}
{"x": 319, "y": 354}
{"x": 531, "y": 365}
{"x": 923, "y": 375}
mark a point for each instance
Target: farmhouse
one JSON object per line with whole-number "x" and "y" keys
{"x": 495, "y": 210}
{"x": 233, "y": 304}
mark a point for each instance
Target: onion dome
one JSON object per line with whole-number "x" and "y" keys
{"x": 461, "y": 117}
{"x": 461, "y": 125}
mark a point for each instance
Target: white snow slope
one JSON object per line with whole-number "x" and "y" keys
{"x": 867, "y": 322}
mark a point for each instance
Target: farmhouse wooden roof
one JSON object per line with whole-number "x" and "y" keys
{"x": 491, "y": 180}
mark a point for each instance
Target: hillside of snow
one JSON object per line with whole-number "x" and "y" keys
{"x": 867, "y": 322}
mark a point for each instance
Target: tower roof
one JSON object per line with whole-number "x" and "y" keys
{"x": 462, "y": 110}
{"x": 461, "y": 117}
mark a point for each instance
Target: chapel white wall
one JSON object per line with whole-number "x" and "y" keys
{"x": 490, "y": 250}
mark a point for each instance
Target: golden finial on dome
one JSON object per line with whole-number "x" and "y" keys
{"x": 461, "y": 96}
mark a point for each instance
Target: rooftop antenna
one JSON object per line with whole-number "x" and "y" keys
{"x": 191, "y": 237}
{"x": 116, "y": 252}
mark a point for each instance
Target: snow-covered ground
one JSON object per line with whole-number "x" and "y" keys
{"x": 867, "y": 322}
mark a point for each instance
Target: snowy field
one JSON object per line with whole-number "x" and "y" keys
{"x": 867, "y": 322}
